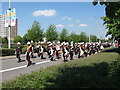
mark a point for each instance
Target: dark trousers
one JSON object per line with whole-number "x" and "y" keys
{"x": 71, "y": 56}
{"x": 40, "y": 55}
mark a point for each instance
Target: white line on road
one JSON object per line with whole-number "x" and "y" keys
{"x": 22, "y": 66}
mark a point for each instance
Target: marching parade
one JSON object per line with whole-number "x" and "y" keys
{"x": 58, "y": 50}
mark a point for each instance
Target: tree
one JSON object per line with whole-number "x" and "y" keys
{"x": 112, "y": 18}
{"x": 5, "y": 40}
{"x": 83, "y": 37}
{"x": 35, "y": 33}
{"x": 93, "y": 38}
{"x": 18, "y": 39}
{"x": 51, "y": 33}
{"x": 74, "y": 37}
{"x": 64, "y": 35}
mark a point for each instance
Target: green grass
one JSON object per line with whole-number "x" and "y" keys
{"x": 100, "y": 70}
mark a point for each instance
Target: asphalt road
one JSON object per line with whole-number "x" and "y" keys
{"x": 11, "y": 69}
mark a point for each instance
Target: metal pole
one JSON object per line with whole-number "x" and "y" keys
{"x": 9, "y": 25}
{"x": 89, "y": 38}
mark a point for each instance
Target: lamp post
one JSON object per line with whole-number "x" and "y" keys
{"x": 9, "y": 26}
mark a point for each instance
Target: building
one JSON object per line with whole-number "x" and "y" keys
{"x": 2, "y": 28}
{"x": 14, "y": 31}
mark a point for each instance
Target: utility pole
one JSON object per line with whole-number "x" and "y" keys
{"x": 9, "y": 30}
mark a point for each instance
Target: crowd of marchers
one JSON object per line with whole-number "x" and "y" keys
{"x": 59, "y": 50}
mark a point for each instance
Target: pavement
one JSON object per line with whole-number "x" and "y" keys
{"x": 11, "y": 69}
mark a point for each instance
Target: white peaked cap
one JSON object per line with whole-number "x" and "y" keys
{"x": 39, "y": 42}
{"x": 67, "y": 43}
{"x": 31, "y": 41}
{"x": 71, "y": 42}
{"x": 63, "y": 42}
{"x": 58, "y": 42}
{"x": 18, "y": 43}
{"x": 49, "y": 42}
{"x": 42, "y": 42}
{"x": 81, "y": 43}
{"x": 28, "y": 42}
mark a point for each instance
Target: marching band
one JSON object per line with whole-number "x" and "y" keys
{"x": 58, "y": 50}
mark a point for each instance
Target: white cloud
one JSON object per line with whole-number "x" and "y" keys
{"x": 59, "y": 25}
{"x": 83, "y": 25}
{"x": 70, "y": 25}
{"x": 50, "y": 12}
{"x": 67, "y": 18}
{"x": 78, "y": 20}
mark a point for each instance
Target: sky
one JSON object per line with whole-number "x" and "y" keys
{"x": 76, "y": 17}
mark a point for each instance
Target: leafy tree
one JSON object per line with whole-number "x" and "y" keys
{"x": 35, "y": 33}
{"x": 74, "y": 37}
{"x": 51, "y": 33}
{"x": 83, "y": 37}
{"x": 93, "y": 38}
{"x": 5, "y": 40}
{"x": 112, "y": 18}
{"x": 18, "y": 39}
{"x": 64, "y": 35}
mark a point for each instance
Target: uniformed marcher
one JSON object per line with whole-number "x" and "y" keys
{"x": 65, "y": 52}
{"x": 32, "y": 46}
{"x": 28, "y": 53}
{"x": 71, "y": 52}
{"x": 18, "y": 51}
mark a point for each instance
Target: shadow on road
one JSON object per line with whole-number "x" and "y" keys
{"x": 22, "y": 60}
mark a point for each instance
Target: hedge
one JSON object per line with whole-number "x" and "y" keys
{"x": 7, "y": 52}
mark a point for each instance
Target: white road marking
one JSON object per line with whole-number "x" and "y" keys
{"x": 22, "y": 66}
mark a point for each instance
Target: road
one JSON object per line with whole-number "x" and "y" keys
{"x": 11, "y": 69}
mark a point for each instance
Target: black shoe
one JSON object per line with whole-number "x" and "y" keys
{"x": 19, "y": 61}
{"x": 28, "y": 65}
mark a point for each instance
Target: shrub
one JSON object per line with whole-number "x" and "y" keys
{"x": 7, "y": 52}
{"x": 12, "y": 46}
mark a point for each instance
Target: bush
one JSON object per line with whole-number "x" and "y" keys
{"x": 97, "y": 71}
{"x": 7, "y": 52}
{"x": 23, "y": 50}
{"x": 12, "y": 46}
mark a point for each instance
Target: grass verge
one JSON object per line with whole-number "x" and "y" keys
{"x": 100, "y": 70}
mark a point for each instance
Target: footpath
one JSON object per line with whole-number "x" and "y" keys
{"x": 10, "y": 57}
{"x": 13, "y": 56}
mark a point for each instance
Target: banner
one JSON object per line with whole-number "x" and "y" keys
{"x": 7, "y": 18}
{"x": 12, "y": 15}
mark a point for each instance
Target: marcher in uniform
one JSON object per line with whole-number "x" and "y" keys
{"x": 18, "y": 52}
{"x": 28, "y": 53}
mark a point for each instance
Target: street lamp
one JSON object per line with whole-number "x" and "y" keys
{"x": 9, "y": 23}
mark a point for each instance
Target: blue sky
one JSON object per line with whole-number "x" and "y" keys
{"x": 74, "y": 16}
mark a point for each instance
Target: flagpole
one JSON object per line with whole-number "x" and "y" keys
{"x": 9, "y": 23}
